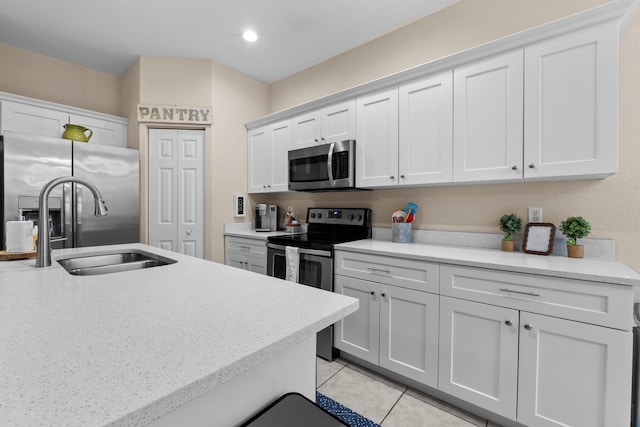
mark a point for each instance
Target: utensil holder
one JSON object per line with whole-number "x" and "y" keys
{"x": 401, "y": 232}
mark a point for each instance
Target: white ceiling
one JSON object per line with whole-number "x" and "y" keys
{"x": 109, "y": 35}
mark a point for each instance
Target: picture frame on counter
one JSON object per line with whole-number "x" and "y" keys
{"x": 538, "y": 238}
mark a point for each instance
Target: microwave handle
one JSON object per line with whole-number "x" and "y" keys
{"x": 330, "y": 165}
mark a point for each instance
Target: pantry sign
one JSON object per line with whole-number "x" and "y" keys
{"x": 174, "y": 114}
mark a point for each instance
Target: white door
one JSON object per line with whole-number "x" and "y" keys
{"x": 31, "y": 119}
{"x": 307, "y": 130}
{"x": 487, "y": 133}
{"x": 280, "y": 145}
{"x": 571, "y": 104}
{"x": 339, "y": 122}
{"x": 426, "y": 130}
{"x": 409, "y": 333}
{"x": 176, "y": 190}
{"x": 573, "y": 374}
{"x": 377, "y": 139}
{"x": 359, "y": 333}
{"x": 259, "y": 155}
{"x": 479, "y": 354}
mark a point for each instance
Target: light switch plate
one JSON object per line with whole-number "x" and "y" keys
{"x": 239, "y": 205}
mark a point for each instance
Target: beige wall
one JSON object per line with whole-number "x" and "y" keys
{"x": 611, "y": 205}
{"x": 235, "y": 99}
{"x": 39, "y": 76}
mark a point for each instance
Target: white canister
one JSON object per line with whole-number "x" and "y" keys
{"x": 19, "y": 236}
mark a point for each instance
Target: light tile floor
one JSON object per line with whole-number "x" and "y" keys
{"x": 387, "y": 402}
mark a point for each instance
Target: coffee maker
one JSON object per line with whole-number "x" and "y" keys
{"x": 266, "y": 217}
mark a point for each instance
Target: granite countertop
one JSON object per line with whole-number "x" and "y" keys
{"x": 591, "y": 269}
{"x": 127, "y": 348}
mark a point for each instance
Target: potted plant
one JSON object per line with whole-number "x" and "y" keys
{"x": 574, "y": 228}
{"x": 509, "y": 224}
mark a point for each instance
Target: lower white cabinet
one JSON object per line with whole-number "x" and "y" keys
{"x": 394, "y": 327}
{"x": 246, "y": 253}
{"x": 535, "y": 369}
{"x": 479, "y": 354}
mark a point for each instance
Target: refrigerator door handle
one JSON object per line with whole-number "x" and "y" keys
{"x": 67, "y": 213}
{"x": 77, "y": 236}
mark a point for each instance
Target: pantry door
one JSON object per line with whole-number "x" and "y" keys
{"x": 176, "y": 190}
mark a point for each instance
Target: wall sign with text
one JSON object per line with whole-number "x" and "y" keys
{"x": 174, "y": 114}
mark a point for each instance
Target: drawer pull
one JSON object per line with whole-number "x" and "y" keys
{"x": 528, "y": 327}
{"x": 508, "y": 322}
{"x": 246, "y": 248}
{"x": 380, "y": 270}
{"x": 531, "y": 294}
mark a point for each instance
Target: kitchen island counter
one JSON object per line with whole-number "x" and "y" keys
{"x": 129, "y": 348}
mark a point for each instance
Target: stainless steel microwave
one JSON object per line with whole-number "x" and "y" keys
{"x": 323, "y": 167}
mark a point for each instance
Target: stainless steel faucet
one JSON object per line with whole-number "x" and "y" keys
{"x": 43, "y": 255}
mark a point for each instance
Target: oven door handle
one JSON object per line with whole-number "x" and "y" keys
{"x": 332, "y": 147}
{"x": 302, "y": 251}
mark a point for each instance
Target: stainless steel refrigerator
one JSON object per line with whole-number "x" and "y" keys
{"x": 30, "y": 161}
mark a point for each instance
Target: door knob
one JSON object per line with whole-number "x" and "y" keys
{"x": 528, "y": 327}
{"x": 508, "y": 322}
{"x": 189, "y": 232}
{"x": 532, "y": 165}
{"x": 514, "y": 167}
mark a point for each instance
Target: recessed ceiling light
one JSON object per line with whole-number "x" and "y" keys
{"x": 250, "y": 36}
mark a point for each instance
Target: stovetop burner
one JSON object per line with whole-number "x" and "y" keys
{"x": 328, "y": 227}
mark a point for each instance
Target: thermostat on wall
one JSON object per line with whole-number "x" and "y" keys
{"x": 239, "y": 205}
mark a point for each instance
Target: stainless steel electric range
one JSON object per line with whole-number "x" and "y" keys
{"x": 326, "y": 228}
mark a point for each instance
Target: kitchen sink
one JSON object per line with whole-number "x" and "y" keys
{"x": 105, "y": 262}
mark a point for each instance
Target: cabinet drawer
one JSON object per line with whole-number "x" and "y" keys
{"x": 246, "y": 246}
{"x": 407, "y": 273}
{"x": 591, "y": 302}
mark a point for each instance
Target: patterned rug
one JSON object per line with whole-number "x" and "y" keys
{"x": 345, "y": 414}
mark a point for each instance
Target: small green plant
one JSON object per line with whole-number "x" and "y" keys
{"x": 574, "y": 228}
{"x": 510, "y": 223}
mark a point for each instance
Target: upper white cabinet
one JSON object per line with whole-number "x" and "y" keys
{"x": 377, "y": 139}
{"x": 27, "y": 118}
{"x": 488, "y": 118}
{"x": 336, "y": 122}
{"x": 539, "y": 105}
{"x": 426, "y": 138}
{"x": 21, "y": 114}
{"x": 571, "y": 104}
{"x": 267, "y": 158}
{"x": 104, "y": 132}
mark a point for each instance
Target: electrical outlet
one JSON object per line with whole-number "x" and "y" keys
{"x": 535, "y": 214}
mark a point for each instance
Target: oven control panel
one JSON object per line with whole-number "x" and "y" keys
{"x": 338, "y": 216}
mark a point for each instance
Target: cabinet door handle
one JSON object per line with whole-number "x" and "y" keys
{"x": 383, "y": 295}
{"x": 402, "y": 176}
{"x": 379, "y": 270}
{"x": 315, "y": 140}
{"x": 514, "y": 167}
{"x": 531, "y": 294}
{"x": 508, "y": 322}
{"x": 391, "y": 177}
{"x": 322, "y": 139}
{"x": 528, "y": 327}
{"x": 373, "y": 293}
{"x": 532, "y": 165}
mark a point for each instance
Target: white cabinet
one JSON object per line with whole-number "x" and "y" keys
{"x": 48, "y": 119}
{"x": 571, "y": 105}
{"x": 426, "y": 130}
{"x": 336, "y": 122}
{"x": 395, "y": 327}
{"x": 27, "y": 118}
{"x": 267, "y": 157}
{"x": 478, "y": 354}
{"x": 246, "y": 253}
{"x": 515, "y": 342}
{"x": 488, "y": 117}
{"x": 105, "y": 132}
{"x": 377, "y": 139}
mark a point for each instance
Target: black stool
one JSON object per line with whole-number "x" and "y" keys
{"x": 294, "y": 410}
